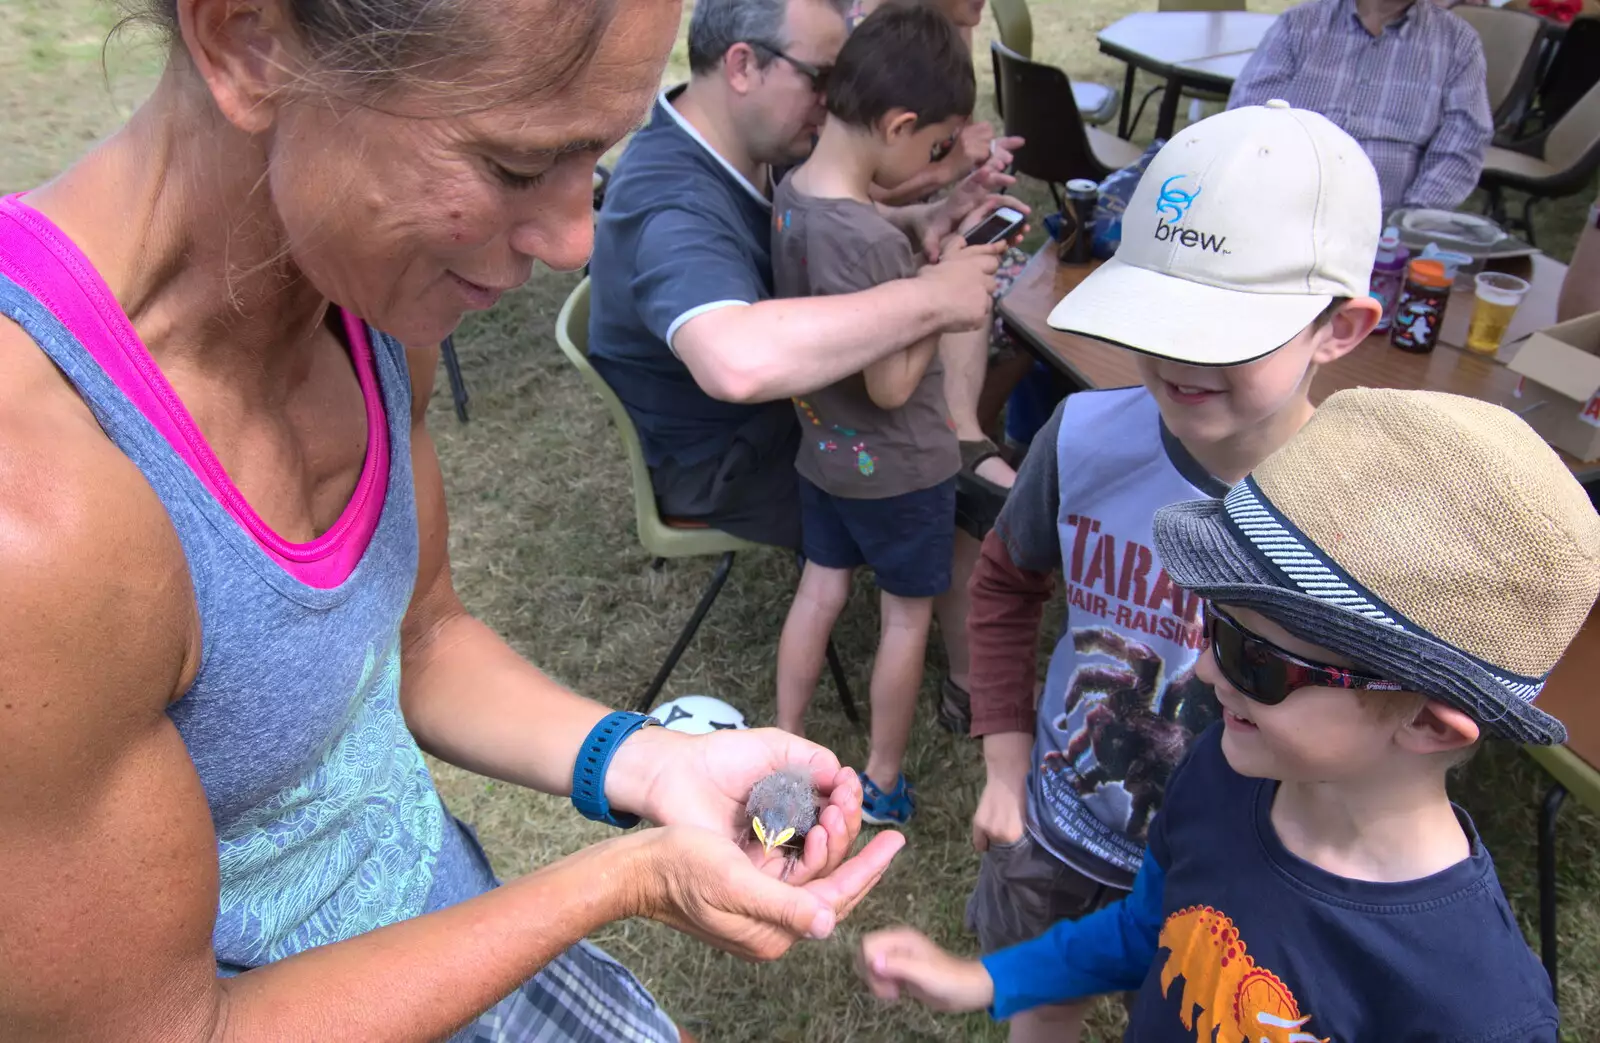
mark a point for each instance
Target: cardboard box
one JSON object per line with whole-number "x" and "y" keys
{"x": 1559, "y": 396}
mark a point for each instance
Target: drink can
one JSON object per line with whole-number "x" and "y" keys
{"x": 1077, "y": 221}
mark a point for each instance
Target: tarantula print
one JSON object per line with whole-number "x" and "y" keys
{"x": 1136, "y": 735}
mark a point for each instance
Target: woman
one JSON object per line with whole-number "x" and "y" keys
{"x": 226, "y": 590}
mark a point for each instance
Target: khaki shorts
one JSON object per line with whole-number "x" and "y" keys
{"x": 1023, "y": 889}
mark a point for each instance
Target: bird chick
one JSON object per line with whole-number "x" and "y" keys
{"x": 782, "y": 809}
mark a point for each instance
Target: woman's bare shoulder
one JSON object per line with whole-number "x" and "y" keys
{"x": 84, "y": 540}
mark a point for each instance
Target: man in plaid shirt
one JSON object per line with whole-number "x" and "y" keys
{"x": 1405, "y": 78}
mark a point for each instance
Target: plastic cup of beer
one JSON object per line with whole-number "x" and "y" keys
{"x": 1495, "y": 299}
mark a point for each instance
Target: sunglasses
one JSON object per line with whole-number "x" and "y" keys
{"x": 1266, "y": 673}
{"x": 817, "y": 74}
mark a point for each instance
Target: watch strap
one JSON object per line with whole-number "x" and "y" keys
{"x": 594, "y": 757}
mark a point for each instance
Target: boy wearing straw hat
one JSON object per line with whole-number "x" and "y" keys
{"x": 1399, "y": 579}
{"x": 1244, "y": 263}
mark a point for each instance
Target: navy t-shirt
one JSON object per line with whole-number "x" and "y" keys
{"x": 1237, "y": 940}
{"x": 680, "y": 233}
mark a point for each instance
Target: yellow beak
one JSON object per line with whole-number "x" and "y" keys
{"x": 769, "y": 840}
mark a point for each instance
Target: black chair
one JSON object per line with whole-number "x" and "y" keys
{"x": 1573, "y": 67}
{"x": 458, "y": 386}
{"x": 1559, "y": 161}
{"x": 1038, "y": 106}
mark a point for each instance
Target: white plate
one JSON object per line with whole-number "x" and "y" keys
{"x": 1446, "y": 227}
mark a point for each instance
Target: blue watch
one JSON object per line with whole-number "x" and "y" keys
{"x": 594, "y": 757}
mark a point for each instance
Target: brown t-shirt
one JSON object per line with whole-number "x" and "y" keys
{"x": 849, "y": 446}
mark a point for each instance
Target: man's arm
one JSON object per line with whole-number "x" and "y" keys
{"x": 1580, "y": 290}
{"x": 1449, "y": 167}
{"x": 779, "y": 348}
{"x": 1271, "y": 68}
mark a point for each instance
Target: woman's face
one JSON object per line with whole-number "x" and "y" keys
{"x": 409, "y": 221}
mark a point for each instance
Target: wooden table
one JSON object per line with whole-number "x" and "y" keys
{"x": 1573, "y": 692}
{"x": 1170, "y": 43}
{"x": 1091, "y": 363}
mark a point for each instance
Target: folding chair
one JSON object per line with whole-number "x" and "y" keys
{"x": 1513, "y": 42}
{"x": 1556, "y": 162}
{"x": 1036, "y": 103}
{"x": 664, "y": 538}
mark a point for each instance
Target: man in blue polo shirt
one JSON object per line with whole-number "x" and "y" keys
{"x": 682, "y": 321}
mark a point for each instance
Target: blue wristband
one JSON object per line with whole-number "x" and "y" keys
{"x": 594, "y": 757}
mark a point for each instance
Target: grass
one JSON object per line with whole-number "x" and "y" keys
{"x": 544, "y": 551}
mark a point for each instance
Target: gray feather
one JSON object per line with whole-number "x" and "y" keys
{"x": 783, "y": 800}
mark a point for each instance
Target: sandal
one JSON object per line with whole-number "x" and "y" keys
{"x": 955, "y": 708}
{"x": 978, "y": 500}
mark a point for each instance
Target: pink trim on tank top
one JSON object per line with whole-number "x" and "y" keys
{"x": 40, "y": 258}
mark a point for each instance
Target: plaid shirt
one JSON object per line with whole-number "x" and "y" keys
{"x": 1414, "y": 96}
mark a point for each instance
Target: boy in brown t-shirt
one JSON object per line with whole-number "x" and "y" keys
{"x": 878, "y": 454}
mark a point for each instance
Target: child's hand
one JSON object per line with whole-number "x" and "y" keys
{"x": 1002, "y": 812}
{"x": 977, "y": 143}
{"x": 902, "y": 960}
{"x": 1001, "y": 817}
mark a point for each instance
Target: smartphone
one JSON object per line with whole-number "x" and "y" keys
{"x": 1002, "y": 224}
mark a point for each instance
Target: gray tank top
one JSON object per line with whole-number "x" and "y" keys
{"x": 328, "y": 824}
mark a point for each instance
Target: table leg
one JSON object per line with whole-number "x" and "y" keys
{"x": 1123, "y": 130}
{"x": 1169, "y": 108}
{"x": 1548, "y": 812}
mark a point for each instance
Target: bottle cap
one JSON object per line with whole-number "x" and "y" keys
{"x": 1428, "y": 272}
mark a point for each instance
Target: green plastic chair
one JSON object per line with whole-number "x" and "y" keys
{"x": 1011, "y": 17}
{"x": 660, "y": 538}
{"x": 1572, "y": 775}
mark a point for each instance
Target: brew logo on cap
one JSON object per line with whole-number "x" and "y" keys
{"x": 1176, "y": 201}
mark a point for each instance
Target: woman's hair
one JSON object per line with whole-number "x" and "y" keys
{"x": 365, "y": 48}
{"x": 902, "y": 57}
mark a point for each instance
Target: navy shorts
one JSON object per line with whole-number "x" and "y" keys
{"x": 906, "y": 539}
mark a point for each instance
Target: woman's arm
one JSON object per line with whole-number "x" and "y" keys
{"x": 474, "y": 702}
{"x": 109, "y": 878}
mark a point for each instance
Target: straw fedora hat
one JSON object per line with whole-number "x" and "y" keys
{"x": 1434, "y": 539}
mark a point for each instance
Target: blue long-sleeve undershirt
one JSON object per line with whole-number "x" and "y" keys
{"x": 1107, "y": 951}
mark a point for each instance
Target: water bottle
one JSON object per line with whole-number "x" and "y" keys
{"x": 1388, "y": 275}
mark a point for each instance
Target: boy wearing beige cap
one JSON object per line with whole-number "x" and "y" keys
{"x": 1398, "y": 579}
{"x": 1244, "y": 262}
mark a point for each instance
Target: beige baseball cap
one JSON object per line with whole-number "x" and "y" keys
{"x": 1241, "y": 231}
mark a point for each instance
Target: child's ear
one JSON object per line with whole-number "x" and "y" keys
{"x": 1438, "y": 728}
{"x": 1348, "y": 327}
{"x": 898, "y": 124}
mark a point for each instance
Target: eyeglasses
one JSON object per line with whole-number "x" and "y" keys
{"x": 817, "y": 74}
{"x": 1266, "y": 673}
{"x": 943, "y": 148}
